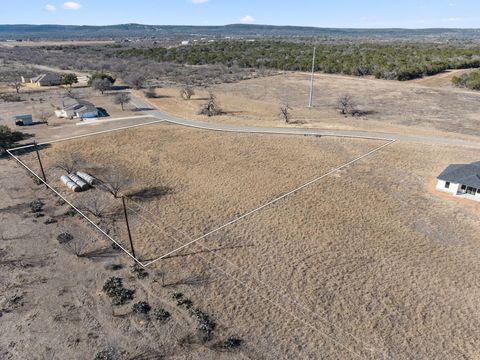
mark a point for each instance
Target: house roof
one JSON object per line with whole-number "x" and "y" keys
{"x": 46, "y": 77}
{"x": 465, "y": 174}
{"x": 80, "y": 106}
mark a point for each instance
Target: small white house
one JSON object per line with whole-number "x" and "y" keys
{"x": 77, "y": 109}
{"x": 462, "y": 180}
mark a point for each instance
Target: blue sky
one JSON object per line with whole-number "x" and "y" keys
{"x": 321, "y": 13}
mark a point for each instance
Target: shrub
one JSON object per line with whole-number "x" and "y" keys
{"x": 108, "y": 354}
{"x": 101, "y": 76}
{"x": 205, "y": 325}
{"x": 69, "y": 79}
{"x": 112, "y": 285}
{"x": 177, "y": 296}
{"x": 11, "y": 98}
{"x": 113, "y": 288}
{"x": 64, "y": 238}
{"x": 60, "y": 202}
{"x": 182, "y": 301}
{"x": 139, "y": 271}
{"x": 36, "y": 206}
{"x": 211, "y": 108}
{"x": 141, "y": 307}
{"x": 187, "y": 92}
{"x": 8, "y": 138}
{"x": 161, "y": 314}
{"x": 469, "y": 81}
{"x": 50, "y": 221}
{"x": 71, "y": 212}
{"x": 122, "y": 296}
{"x": 36, "y": 180}
{"x": 232, "y": 343}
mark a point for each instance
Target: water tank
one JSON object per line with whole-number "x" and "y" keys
{"x": 83, "y": 185}
{"x": 70, "y": 184}
{"x": 86, "y": 177}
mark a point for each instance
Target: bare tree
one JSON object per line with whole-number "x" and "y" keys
{"x": 285, "y": 112}
{"x": 122, "y": 99}
{"x": 67, "y": 162}
{"x": 137, "y": 81}
{"x": 96, "y": 203}
{"x": 77, "y": 246}
{"x": 14, "y": 80}
{"x": 187, "y": 92}
{"x": 71, "y": 94}
{"x": 43, "y": 116}
{"x": 211, "y": 108}
{"x": 114, "y": 183}
{"x": 150, "y": 93}
{"x": 101, "y": 85}
{"x": 345, "y": 104}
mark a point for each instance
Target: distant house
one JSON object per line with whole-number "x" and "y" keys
{"x": 461, "y": 180}
{"x": 45, "y": 80}
{"x": 77, "y": 109}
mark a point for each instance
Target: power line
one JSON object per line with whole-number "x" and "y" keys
{"x": 310, "y": 101}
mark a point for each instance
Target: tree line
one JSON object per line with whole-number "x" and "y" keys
{"x": 392, "y": 61}
{"x": 470, "y": 81}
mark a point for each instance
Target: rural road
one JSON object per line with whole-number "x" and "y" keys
{"x": 155, "y": 112}
{"x": 147, "y": 108}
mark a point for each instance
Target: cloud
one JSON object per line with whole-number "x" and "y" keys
{"x": 71, "y": 5}
{"x": 452, "y": 19}
{"x": 199, "y": 1}
{"x": 247, "y": 19}
{"x": 50, "y": 8}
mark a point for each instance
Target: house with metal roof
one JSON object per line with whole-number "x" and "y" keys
{"x": 461, "y": 180}
{"x": 77, "y": 109}
{"x": 46, "y": 80}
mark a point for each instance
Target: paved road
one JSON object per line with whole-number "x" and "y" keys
{"x": 148, "y": 109}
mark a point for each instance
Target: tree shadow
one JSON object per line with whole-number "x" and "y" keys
{"x": 192, "y": 280}
{"x": 151, "y": 193}
{"x": 233, "y": 112}
{"x": 119, "y": 87}
{"x": 161, "y": 97}
{"x": 101, "y": 253}
{"x": 30, "y": 148}
{"x": 148, "y": 355}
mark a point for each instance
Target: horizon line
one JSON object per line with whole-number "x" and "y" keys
{"x": 252, "y": 25}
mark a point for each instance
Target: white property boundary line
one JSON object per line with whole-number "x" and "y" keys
{"x": 271, "y": 202}
{"x": 267, "y": 299}
{"x": 211, "y": 128}
{"x": 87, "y": 135}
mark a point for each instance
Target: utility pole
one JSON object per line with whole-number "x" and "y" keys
{"x": 128, "y": 226}
{"x": 40, "y": 162}
{"x": 310, "y": 100}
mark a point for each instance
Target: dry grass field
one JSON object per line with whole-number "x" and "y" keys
{"x": 366, "y": 263}
{"x": 208, "y": 178}
{"x": 427, "y": 107}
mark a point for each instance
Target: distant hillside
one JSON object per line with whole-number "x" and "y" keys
{"x": 59, "y": 32}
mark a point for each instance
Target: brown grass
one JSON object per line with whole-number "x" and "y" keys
{"x": 398, "y": 107}
{"x": 211, "y": 177}
{"x": 366, "y": 262}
